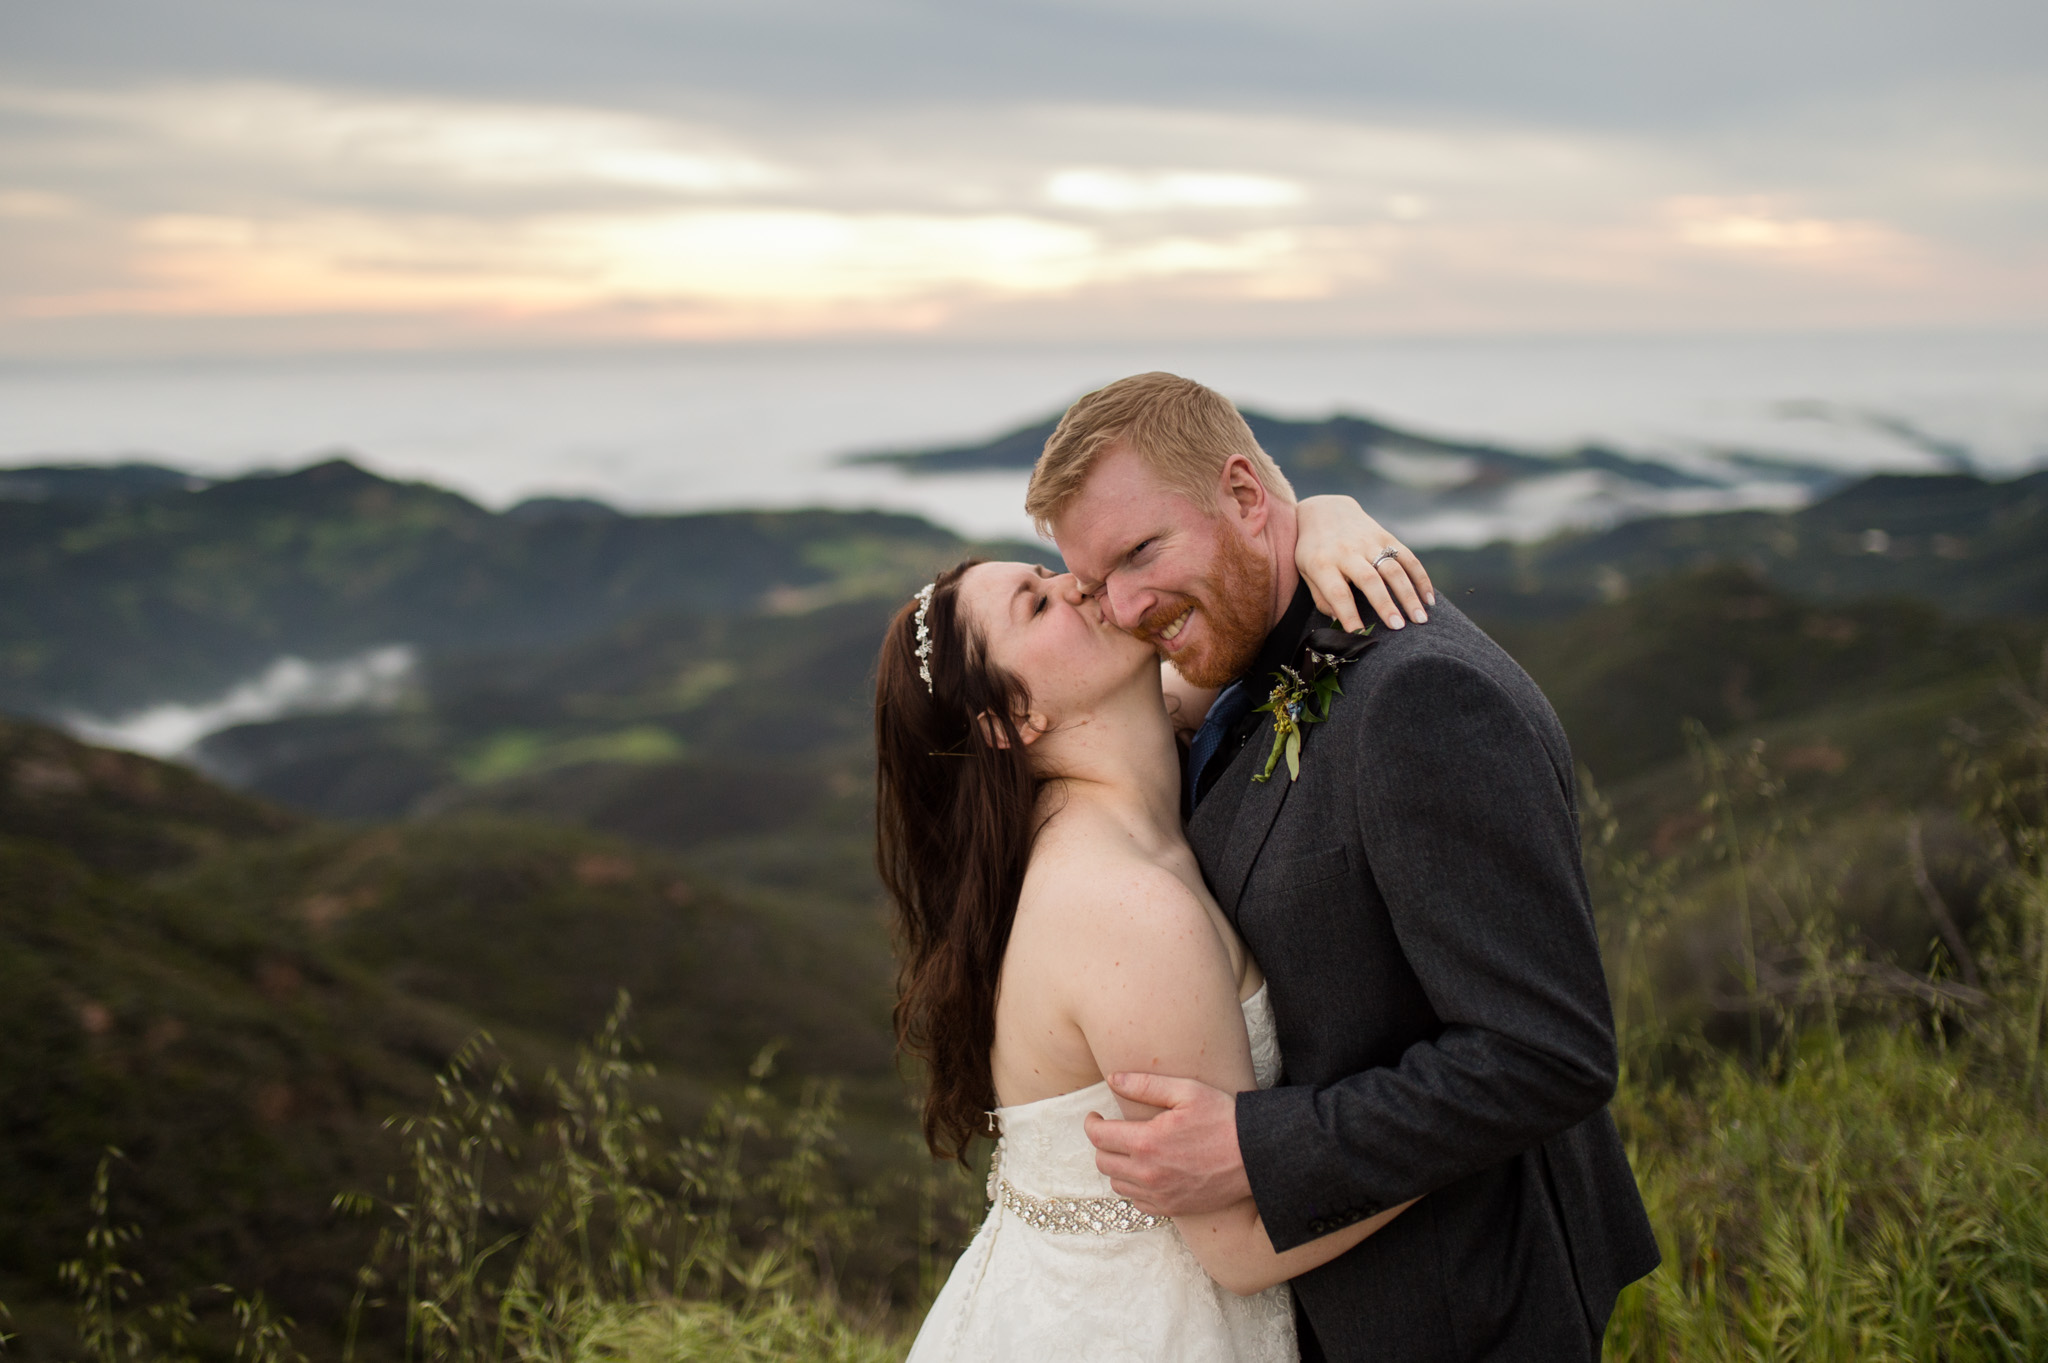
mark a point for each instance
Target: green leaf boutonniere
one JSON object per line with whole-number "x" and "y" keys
{"x": 1302, "y": 694}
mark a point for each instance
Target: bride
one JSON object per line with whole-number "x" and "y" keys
{"x": 1055, "y": 928}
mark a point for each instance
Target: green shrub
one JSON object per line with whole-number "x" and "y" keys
{"x": 1860, "y": 1174}
{"x": 594, "y": 1233}
{"x": 1843, "y": 1156}
{"x": 1882, "y": 1204}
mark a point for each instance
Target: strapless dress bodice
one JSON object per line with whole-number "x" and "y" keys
{"x": 1064, "y": 1269}
{"x": 1043, "y": 1150}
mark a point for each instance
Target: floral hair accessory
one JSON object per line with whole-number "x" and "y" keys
{"x": 924, "y": 638}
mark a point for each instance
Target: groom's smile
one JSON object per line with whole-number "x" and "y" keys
{"x": 1178, "y": 576}
{"x": 1176, "y": 621}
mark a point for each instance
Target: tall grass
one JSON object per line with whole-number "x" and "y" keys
{"x": 592, "y": 1233}
{"x": 1883, "y": 1207}
{"x": 110, "y": 1332}
{"x": 612, "y": 1237}
{"x": 1852, "y": 1169}
{"x": 1864, "y": 1179}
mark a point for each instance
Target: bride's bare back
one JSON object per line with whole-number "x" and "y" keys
{"x": 1119, "y": 959}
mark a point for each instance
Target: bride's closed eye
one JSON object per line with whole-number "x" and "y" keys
{"x": 1043, "y": 600}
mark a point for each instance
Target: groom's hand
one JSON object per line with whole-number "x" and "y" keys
{"x": 1182, "y": 1162}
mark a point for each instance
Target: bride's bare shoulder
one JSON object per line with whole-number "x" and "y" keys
{"x": 1088, "y": 878}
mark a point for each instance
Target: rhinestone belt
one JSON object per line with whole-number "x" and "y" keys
{"x": 1069, "y": 1215}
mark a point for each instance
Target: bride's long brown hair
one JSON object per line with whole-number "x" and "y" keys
{"x": 953, "y": 831}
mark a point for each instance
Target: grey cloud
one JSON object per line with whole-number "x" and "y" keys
{"x": 1552, "y": 152}
{"x": 1594, "y": 63}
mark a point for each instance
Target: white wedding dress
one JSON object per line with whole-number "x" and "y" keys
{"x": 1065, "y": 1271}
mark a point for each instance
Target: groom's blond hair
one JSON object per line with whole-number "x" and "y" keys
{"x": 1183, "y": 431}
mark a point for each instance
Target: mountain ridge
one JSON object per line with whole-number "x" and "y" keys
{"x": 179, "y": 594}
{"x": 173, "y": 595}
{"x": 1346, "y": 452}
{"x": 1975, "y": 548}
{"x": 238, "y": 996}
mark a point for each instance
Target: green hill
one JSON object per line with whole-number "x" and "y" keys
{"x": 1352, "y": 454}
{"x": 636, "y": 755}
{"x": 1726, "y": 646}
{"x": 168, "y": 593}
{"x": 729, "y": 703}
{"x": 237, "y": 998}
{"x": 1838, "y": 726}
{"x": 1968, "y": 546}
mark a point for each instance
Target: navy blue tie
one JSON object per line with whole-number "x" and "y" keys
{"x": 1232, "y": 704}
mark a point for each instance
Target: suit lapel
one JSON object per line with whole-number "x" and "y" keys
{"x": 1230, "y": 826}
{"x": 1253, "y": 819}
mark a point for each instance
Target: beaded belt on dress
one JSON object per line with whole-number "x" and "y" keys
{"x": 1068, "y": 1215}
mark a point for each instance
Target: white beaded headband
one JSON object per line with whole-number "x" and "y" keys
{"x": 924, "y": 638}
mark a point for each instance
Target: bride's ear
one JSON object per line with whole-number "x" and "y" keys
{"x": 1031, "y": 727}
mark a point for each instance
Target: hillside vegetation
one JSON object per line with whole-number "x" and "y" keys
{"x": 237, "y": 999}
{"x": 1402, "y": 472}
{"x": 1816, "y": 764}
{"x": 122, "y": 594}
{"x": 1968, "y": 546}
{"x": 1854, "y": 1174}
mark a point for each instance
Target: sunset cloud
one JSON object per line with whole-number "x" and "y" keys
{"x": 1759, "y": 227}
{"x": 739, "y": 204}
{"x": 1118, "y": 191}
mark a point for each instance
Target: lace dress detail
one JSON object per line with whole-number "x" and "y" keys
{"x": 1064, "y": 1269}
{"x": 1072, "y": 1215}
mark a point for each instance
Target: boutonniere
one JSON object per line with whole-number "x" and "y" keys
{"x": 1302, "y": 694}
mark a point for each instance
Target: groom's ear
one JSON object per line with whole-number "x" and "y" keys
{"x": 1242, "y": 497}
{"x": 1030, "y": 728}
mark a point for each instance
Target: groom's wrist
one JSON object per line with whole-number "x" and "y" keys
{"x": 1292, "y": 1188}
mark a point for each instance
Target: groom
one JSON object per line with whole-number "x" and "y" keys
{"x": 1415, "y": 899}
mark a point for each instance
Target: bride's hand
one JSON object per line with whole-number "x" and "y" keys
{"x": 1338, "y": 547}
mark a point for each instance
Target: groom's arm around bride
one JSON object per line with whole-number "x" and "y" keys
{"x": 1417, "y": 902}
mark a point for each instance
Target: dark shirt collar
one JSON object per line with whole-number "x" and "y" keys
{"x": 1278, "y": 650}
{"x": 1285, "y": 640}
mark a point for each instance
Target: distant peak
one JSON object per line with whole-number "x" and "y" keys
{"x": 336, "y": 469}
{"x": 82, "y": 482}
{"x": 536, "y": 509}
{"x": 336, "y": 482}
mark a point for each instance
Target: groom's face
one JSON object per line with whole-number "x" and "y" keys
{"x": 1186, "y": 579}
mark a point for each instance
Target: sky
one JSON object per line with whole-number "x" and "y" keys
{"x": 261, "y": 177}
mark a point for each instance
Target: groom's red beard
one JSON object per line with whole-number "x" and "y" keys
{"x": 1235, "y": 603}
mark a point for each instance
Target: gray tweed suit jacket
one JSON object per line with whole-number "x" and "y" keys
{"x": 1417, "y": 902}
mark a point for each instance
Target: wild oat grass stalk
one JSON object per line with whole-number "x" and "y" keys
{"x": 616, "y": 1238}
{"x": 165, "y": 1331}
{"x": 1863, "y": 1181}
{"x": 595, "y": 1234}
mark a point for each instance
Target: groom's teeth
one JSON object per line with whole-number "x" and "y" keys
{"x": 1175, "y": 628}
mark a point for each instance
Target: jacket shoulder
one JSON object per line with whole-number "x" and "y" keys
{"x": 1447, "y": 644}
{"x": 1420, "y": 663}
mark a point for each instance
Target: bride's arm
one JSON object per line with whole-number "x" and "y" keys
{"x": 1335, "y": 546}
{"x": 1152, "y": 987}
{"x": 1338, "y": 547}
{"x": 1236, "y": 1251}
